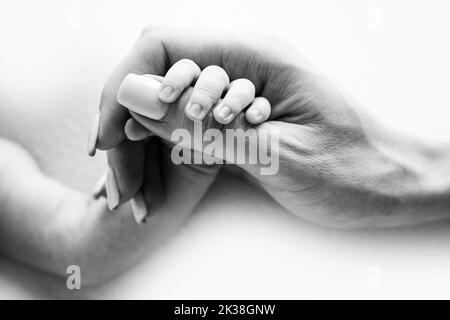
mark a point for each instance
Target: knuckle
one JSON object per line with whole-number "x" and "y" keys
{"x": 190, "y": 63}
{"x": 204, "y": 95}
{"x": 174, "y": 79}
{"x": 262, "y": 102}
{"x": 179, "y": 77}
{"x": 246, "y": 84}
{"x": 176, "y": 84}
{"x": 214, "y": 68}
{"x": 217, "y": 71}
{"x": 235, "y": 101}
{"x": 240, "y": 96}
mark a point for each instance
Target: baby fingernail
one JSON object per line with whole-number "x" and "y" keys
{"x": 225, "y": 113}
{"x": 93, "y": 136}
{"x": 195, "y": 110}
{"x": 256, "y": 114}
{"x": 139, "y": 208}
{"x": 112, "y": 190}
{"x": 167, "y": 94}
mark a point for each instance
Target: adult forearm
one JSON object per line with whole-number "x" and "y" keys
{"x": 413, "y": 184}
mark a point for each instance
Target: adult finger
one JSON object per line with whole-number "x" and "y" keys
{"x": 125, "y": 174}
{"x": 148, "y": 57}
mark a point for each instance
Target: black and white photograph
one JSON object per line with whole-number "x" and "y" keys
{"x": 253, "y": 151}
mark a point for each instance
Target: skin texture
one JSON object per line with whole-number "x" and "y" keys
{"x": 336, "y": 170}
{"x": 48, "y": 218}
{"x": 334, "y": 162}
{"x": 51, "y": 225}
{"x": 48, "y": 225}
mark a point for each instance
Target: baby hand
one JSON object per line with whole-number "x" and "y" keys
{"x": 170, "y": 103}
{"x": 210, "y": 85}
{"x": 151, "y": 97}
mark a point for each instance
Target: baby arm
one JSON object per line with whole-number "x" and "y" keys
{"x": 50, "y": 226}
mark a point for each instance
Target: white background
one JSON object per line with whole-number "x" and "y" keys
{"x": 390, "y": 56}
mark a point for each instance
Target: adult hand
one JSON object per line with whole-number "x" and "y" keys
{"x": 145, "y": 165}
{"x": 336, "y": 168}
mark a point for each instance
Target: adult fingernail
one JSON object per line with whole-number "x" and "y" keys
{"x": 112, "y": 190}
{"x": 167, "y": 94}
{"x": 140, "y": 94}
{"x": 93, "y": 136}
{"x": 195, "y": 110}
{"x": 100, "y": 188}
{"x": 225, "y": 113}
{"x": 139, "y": 208}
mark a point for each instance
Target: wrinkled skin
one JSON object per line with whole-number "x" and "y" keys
{"x": 330, "y": 159}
